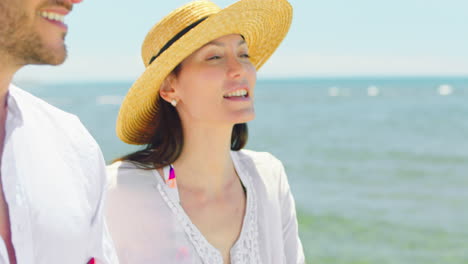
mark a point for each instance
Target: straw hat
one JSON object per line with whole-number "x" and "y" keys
{"x": 263, "y": 24}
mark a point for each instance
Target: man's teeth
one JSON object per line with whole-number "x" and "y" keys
{"x": 237, "y": 93}
{"x": 53, "y": 16}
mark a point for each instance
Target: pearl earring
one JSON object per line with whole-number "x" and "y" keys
{"x": 174, "y": 102}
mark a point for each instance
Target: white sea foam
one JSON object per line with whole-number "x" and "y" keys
{"x": 109, "y": 100}
{"x": 333, "y": 91}
{"x": 445, "y": 89}
{"x": 373, "y": 90}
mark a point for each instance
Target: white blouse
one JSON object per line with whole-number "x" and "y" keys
{"x": 148, "y": 224}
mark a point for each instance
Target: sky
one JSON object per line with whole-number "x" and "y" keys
{"x": 328, "y": 38}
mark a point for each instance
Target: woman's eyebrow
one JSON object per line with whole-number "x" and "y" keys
{"x": 221, "y": 44}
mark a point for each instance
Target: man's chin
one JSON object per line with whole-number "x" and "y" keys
{"x": 52, "y": 62}
{"x": 48, "y": 57}
{"x": 59, "y": 55}
{"x": 57, "y": 61}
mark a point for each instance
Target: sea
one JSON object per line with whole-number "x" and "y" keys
{"x": 378, "y": 166}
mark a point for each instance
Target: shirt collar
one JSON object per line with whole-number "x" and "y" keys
{"x": 13, "y": 104}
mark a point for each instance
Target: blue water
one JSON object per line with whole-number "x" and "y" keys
{"x": 379, "y": 167}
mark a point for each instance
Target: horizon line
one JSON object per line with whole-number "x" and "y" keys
{"x": 270, "y": 78}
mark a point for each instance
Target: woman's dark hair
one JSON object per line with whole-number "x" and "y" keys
{"x": 167, "y": 142}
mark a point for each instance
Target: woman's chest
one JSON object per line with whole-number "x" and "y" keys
{"x": 219, "y": 222}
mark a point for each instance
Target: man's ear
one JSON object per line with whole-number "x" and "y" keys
{"x": 167, "y": 91}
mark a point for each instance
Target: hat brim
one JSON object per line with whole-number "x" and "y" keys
{"x": 263, "y": 24}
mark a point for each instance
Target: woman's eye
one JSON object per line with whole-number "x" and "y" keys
{"x": 216, "y": 57}
{"x": 245, "y": 55}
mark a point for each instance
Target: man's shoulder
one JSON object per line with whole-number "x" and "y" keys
{"x": 29, "y": 103}
{"x": 50, "y": 121}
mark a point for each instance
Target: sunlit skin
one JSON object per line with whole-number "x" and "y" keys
{"x": 26, "y": 37}
{"x": 208, "y": 75}
{"x": 210, "y": 190}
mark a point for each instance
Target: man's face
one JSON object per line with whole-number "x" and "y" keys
{"x": 32, "y": 31}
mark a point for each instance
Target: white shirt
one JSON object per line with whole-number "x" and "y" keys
{"x": 148, "y": 223}
{"x": 54, "y": 179}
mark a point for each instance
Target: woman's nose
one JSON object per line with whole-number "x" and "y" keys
{"x": 236, "y": 68}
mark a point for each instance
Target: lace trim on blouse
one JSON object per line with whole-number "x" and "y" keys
{"x": 246, "y": 248}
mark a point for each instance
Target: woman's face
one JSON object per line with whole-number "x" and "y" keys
{"x": 216, "y": 83}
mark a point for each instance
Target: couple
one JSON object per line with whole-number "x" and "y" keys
{"x": 192, "y": 195}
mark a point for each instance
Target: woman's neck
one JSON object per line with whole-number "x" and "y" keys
{"x": 205, "y": 163}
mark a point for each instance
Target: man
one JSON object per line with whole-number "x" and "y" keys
{"x": 52, "y": 176}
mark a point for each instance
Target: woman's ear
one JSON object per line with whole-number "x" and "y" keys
{"x": 167, "y": 91}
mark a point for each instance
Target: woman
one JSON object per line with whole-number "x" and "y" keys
{"x": 192, "y": 195}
